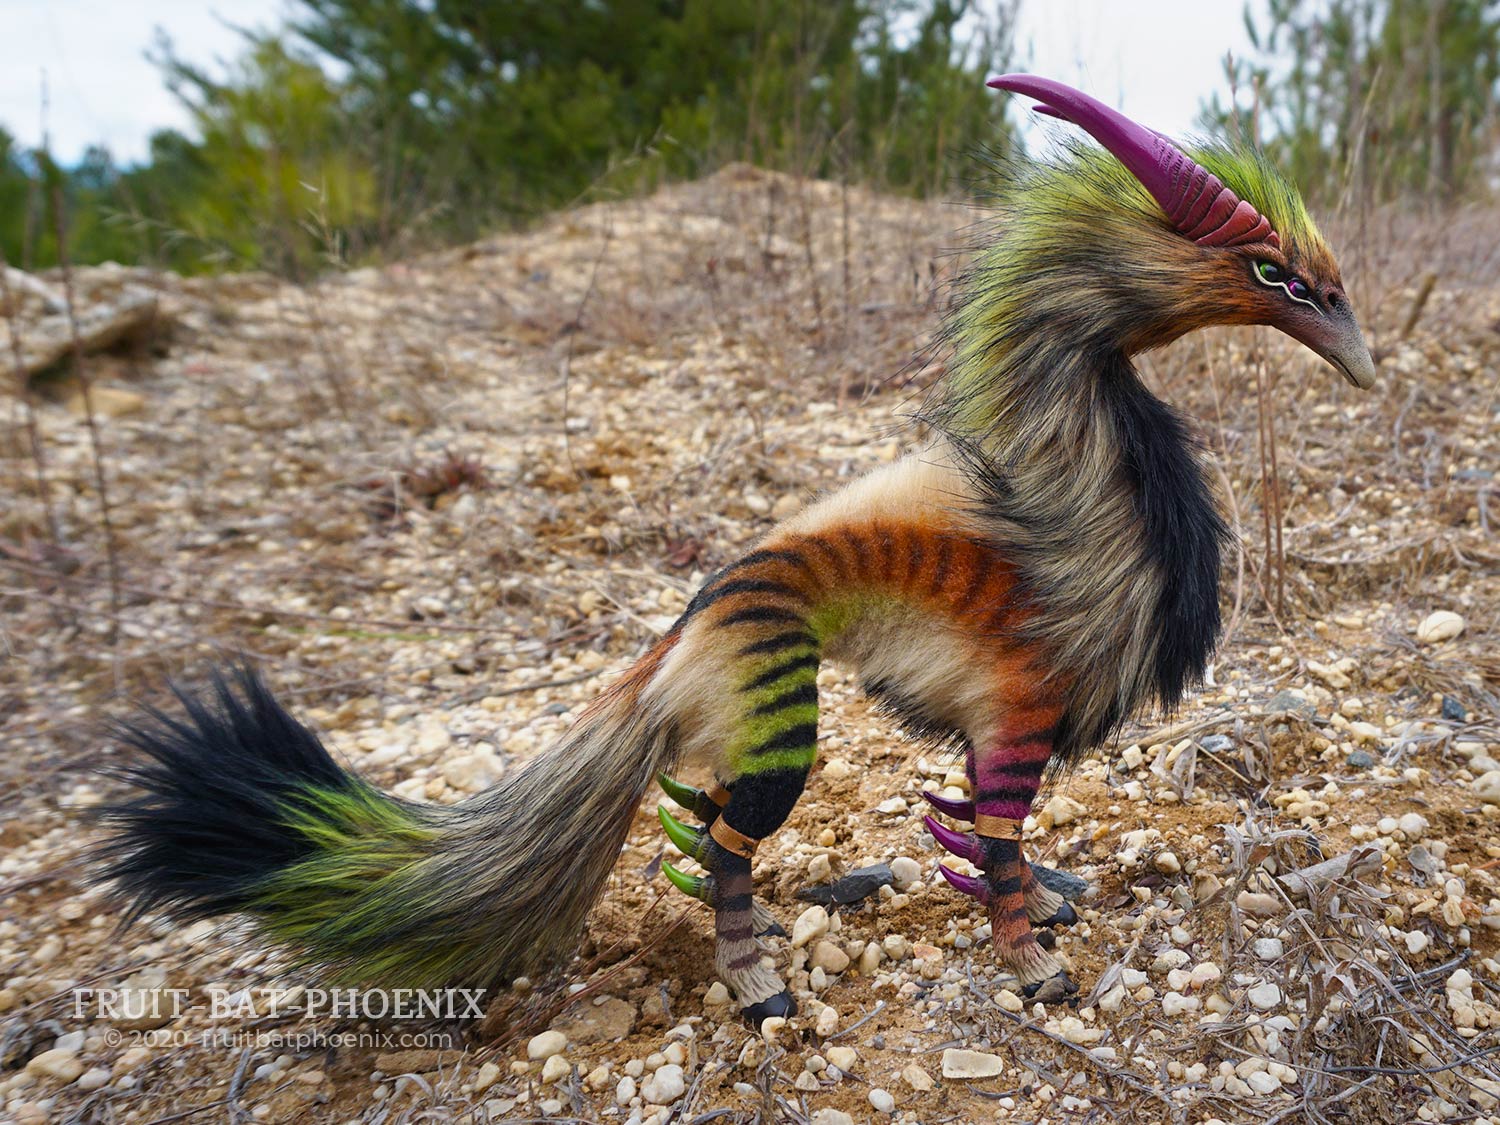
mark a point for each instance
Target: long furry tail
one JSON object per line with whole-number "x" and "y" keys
{"x": 240, "y": 809}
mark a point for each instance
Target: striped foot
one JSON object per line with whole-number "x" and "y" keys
{"x": 1045, "y": 890}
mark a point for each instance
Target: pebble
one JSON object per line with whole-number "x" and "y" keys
{"x": 1360, "y": 760}
{"x": 828, "y": 1020}
{"x": 1416, "y": 942}
{"x": 820, "y": 870}
{"x": 1268, "y": 948}
{"x": 93, "y": 1079}
{"x": 1487, "y": 787}
{"x": 1414, "y": 825}
{"x": 1442, "y": 625}
{"x": 1261, "y": 905}
{"x": 1168, "y": 863}
{"x": 906, "y": 871}
{"x": 59, "y": 1063}
{"x": 487, "y": 1076}
{"x": 892, "y": 805}
{"x": 1264, "y": 996}
{"x": 882, "y": 1100}
{"x": 545, "y": 1045}
{"x": 843, "y": 1057}
{"x": 1263, "y": 1082}
{"x": 961, "y": 1063}
{"x": 869, "y": 958}
{"x": 1060, "y": 810}
{"x": 917, "y": 1078}
{"x": 829, "y": 957}
{"x": 665, "y": 1085}
{"x": 810, "y": 925}
{"x": 717, "y": 995}
{"x": 830, "y": 1116}
{"x": 555, "y": 1069}
{"x": 837, "y": 769}
{"x": 1175, "y": 1003}
{"x": 625, "y": 1090}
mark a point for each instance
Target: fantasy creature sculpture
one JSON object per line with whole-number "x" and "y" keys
{"x": 1044, "y": 567}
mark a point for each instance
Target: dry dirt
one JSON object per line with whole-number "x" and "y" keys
{"x": 441, "y": 503}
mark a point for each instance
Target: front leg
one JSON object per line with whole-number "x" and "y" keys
{"x": 1005, "y": 779}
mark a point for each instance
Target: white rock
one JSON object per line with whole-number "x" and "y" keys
{"x": 625, "y": 1090}
{"x": 1442, "y": 625}
{"x": 906, "y": 871}
{"x": 717, "y": 995}
{"x": 892, "y": 805}
{"x": 93, "y": 1079}
{"x": 1175, "y": 1003}
{"x": 1061, "y": 810}
{"x": 1414, "y": 825}
{"x": 1487, "y": 787}
{"x": 488, "y": 1075}
{"x": 829, "y": 957}
{"x": 545, "y": 1045}
{"x": 1416, "y": 942}
{"x": 829, "y": 1116}
{"x": 665, "y": 1086}
{"x": 882, "y": 1100}
{"x": 917, "y": 1078}
{"x": 1263, "y": 1082}
{"x": 828, "y": 1021}
{"x": 1264, "y": 996}
{"x": 1268, "y": 948}
{"x": 843, "y": 1057}
{"x": 811, "y": 924}
{"x": 555, "y": 1069}
{"x": 59, "y": 1063}
{"x": 471, "y": 773}
{"x": 820, "y": 869}
{"x": 960, "y": 1063}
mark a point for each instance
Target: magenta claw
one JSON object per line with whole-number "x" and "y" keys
{"x": 958, "y": 810}
{"x": 954, "y": 842}
{"x": 970, "y": 886}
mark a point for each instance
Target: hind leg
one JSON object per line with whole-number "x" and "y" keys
{"x": 759, "y": 803}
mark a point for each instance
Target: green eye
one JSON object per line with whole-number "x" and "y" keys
{"x": 1269, "y": 272}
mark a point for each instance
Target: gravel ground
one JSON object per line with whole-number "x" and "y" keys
{"x": 442, "y": 502}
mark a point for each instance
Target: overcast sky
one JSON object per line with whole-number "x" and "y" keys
{"x": 1154, "y": 59}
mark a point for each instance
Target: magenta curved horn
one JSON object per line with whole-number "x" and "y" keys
{"x": 953, "y": 842}
{"x": 1194, "y": 199}
{"x": 948, "y": 806}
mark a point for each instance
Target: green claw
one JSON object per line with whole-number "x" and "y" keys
{"x": 684, "y": 795}
{"x": 694, "y": 886}
{"x": 689, "y": 841}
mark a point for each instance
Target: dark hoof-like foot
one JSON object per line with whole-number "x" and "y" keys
{"x": 773, "y": 930}
{"x": 1065, "y": 916}
{"x": 1053, "y": 990}
{"x": 781, "y": 1004}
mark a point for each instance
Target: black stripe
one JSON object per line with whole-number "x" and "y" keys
{"x": 762, "y": 614}
{"x": 976, "y": 580}
{"x": 799, "y": 737}
{"x": 731, "y": 903}
{"x": 856, "y": 543}
{"x": 804, "y": 693}
{"x": 765, "y": 554}
{"x": 887, "y": 544}
{"x": 985, "y": 796}
{"x": 1010, "y": 885}
{"x": 916, "y": 555}
{"x": 785, "y": 668}
{"x": 753, "y": 586}
{"x": 835, "y": 557}
{"x": 944, "y": 561}
{"x": 795, "y": 638}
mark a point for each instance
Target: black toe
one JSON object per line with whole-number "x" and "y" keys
{"x": 781, "y": 1004}
{"x": 1065, "y": 916}
{"x": 773, "y": 930}
{"x": 1052, "y": 990}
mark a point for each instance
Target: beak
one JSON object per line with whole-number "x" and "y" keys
{"x": 1337, "y": 338}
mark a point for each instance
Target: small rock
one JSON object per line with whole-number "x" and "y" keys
{"x": 1263, "y": 1082}
{"x": 664, "y": 1086}
{"x": 810, "y": 925}
{"x": 1268, "y": 948}
{"x": 821, "y": 868}
{"x": 59, "y": 1063}
{"x": 93, "y": 1079}
{"x": 1487, "y": 787}
{"x": 917, "y": 1078}
{"x": 1009, "y": 1000}
{"x": 1360, "y": 760}
{"x": 1168, "y": 863}
{"x": 108, "y": 402}
{"x": 857, "y": 885}
{"x": 555, "y": 1069}
{"x": 843, "y": 1057}
{"x": 961, "y": 1063}
{"x": 869, "y": 958}
{"x": 1264, "y": 996}
{"x": 905, "y": 871}
{"x": 1416, "y": 942}
{"x": 545, "y": 1045}
{"x": 1060, "y": 810}
{"x": 829, "y": 957}
{"x": 836, "y": 769}
{"x": 882, "y": 1100}
{"x": 829, "y": 1116}
{"x": 892, "y": 805}
{"x": 717, "y": 995}
{"x": 1261, "y": 905}
{"x": 828, "y": 1020}
{"x": 488, "y": 1075}
{"x": 1439, "y": 626}
{"x": 1174, "y": 1004}
{"x": 1453, "y": 710}
{"x": 624, "y": 1090}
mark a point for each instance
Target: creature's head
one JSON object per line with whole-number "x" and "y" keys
{"x": 1184, "y": 242}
